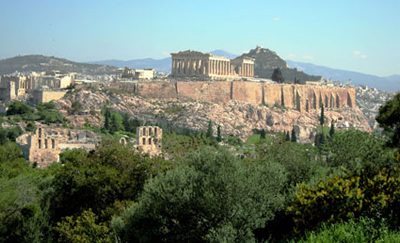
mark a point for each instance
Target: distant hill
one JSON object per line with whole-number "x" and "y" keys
{"x": 266, "y": 61}
{"x": 391, "y": 83}
{"x": 39, "y": 63}
{"x": 161, "y": 65}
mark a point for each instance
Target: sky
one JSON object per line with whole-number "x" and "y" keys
{"x": 356, "y": 35}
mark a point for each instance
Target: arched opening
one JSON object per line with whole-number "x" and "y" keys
{"x": 144, "y": 141}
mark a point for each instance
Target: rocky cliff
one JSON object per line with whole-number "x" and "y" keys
{"x": 235, "y": 117}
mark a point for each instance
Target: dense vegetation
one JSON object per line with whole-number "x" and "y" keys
{"x": 346, "y": 189}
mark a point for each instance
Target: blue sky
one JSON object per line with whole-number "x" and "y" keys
{"x": 357, "y": 35}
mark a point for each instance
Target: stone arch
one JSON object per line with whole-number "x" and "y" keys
{"x": 144, "y": 131}
{"x": 149, "y": 143}
{"x": 150, "y": 131}
{"x": 144, "y": 141}
{"x": 122, "y": 141}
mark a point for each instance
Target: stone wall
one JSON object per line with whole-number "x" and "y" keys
{"x": 44, "y": 145}
{"x": 293, "y": 96}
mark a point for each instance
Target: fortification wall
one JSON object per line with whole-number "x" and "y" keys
{"x": 158, "y": 90}
{"x": 247, "y": 91}
{"x": 292, "y": 96}
{"x": 210, "y": 92}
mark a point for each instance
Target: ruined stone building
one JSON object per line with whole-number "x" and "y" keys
{"x": 149, "y": 139}
{"x": 44, "y": 144}
{"x": 207, "y": 66}
{"x": 147, "y": 73}
{"x": 17, "y": 85}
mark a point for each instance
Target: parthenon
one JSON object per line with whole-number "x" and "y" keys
{"x": 208, "y": 66}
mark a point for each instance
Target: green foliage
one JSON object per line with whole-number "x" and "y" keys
{"x": 294, "y": 137}
{"x": 83, "y": 229}
{"x": 358, "y": 151}
{"x": 210, "y": 131}
{"x": 210, "y": 196}
{"x": 322, "y": 117}
{"x": 342, "y": 198}
{"x": 389, "y": 119}
{"x": 332, "y": 130}
{"x": 76, "y": 107}
{"x": 23, "y": 217}
{"x": 363, "y": 230}
{"x": 9, "y": 134}
{"x": 277, "y": 76}
{"x": 18, "y": 108}
{"x": 97, "y": 179}
{"x": 178, "y": 145}
{"x": 299, "y": 160}
{"x": 219, "y": 137}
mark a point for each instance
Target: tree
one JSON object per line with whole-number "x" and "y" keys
{"x": 209, "y": 129}
{"x": 332, "y": 130}
{"x": 18, "y": 108}
{"x": 107, "y": 117}
{"x": 219, "y": 137}
{"x": 83, "y": 228}
{"x": 115, "y": 124}
{"x": 210, "y": 196}
{"x": 322, "y": 118}
{"x": 262, "y": 134}
{"x": 277, "y": 76}
{"x": 294, "y": 138}
{"x": 287, "y": 136}
{"x": 76, "y": 107}
{"x": 389, "y": 119}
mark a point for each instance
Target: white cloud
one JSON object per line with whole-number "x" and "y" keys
{"x": 308, "y": 57}
{"x": 358, "y": 54}
{"x": 275, "y": 18}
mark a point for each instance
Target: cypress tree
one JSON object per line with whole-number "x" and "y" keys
{"x": 262, "y": 134}
{"x": 332, "y": 131}
{"x": 287, "y": 136}
{"x": 209, "y": 130}
{"x": 294, "y": 138}
{"x": 322, "y": 118}
{"x": 219, "y": 138}
{"x": 107, "y": 116}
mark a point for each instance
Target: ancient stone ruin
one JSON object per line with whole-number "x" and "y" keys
{"x": 207, "y": 66}
{"x": 44, "y": 144}
{"x": 149, "y": 139}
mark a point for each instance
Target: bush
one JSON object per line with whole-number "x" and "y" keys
{"x": 210, "y": 196}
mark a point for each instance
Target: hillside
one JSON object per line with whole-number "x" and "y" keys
{"x": 235, "y": 117}
{"x": 391, "y": 83}
{"x": 39, "y": 63}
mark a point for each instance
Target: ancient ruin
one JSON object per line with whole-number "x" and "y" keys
{"x": 17, "y": 85}
{"x": 207, "y": 66}
{"x": 44, "y": 144}
{"x": 149, "y": 139}
{"x": 147, "y": 73}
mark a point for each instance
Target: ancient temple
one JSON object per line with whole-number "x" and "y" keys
{"x": 208, "y": 66}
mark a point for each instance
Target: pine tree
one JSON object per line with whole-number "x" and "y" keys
{"x": 294, "y": 138}
{"x": 219, "y": 138}
{"x": 115, "y": 126}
